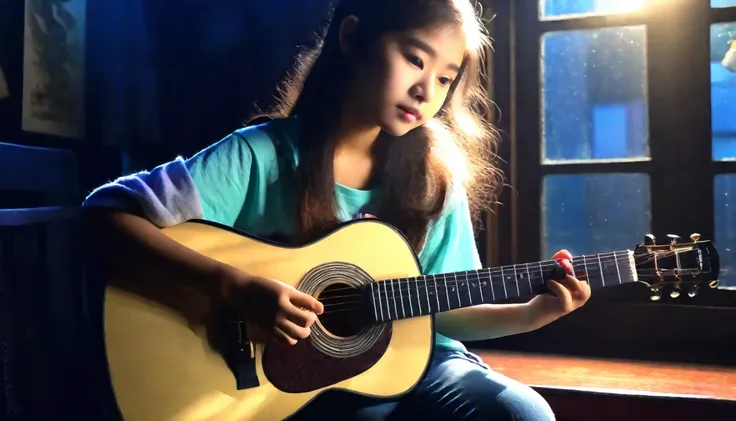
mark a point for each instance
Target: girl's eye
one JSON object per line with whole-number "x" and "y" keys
{"x": 445, "y": 81}
{"x": 416, "y": 61}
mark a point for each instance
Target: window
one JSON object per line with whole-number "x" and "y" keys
{"x": 594, "y": 95}
{"x": 594, "y": 108}
{"x": 723, "y": 120}
{"x": 723, "y": 3}
{"x": 566, "y": 8}
{"x": 612, "y": 115}
{"x": 608, "y": 211}
{"x": 609, "y": 109}
{"x": 723, "y": 89}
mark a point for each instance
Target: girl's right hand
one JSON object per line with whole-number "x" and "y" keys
{"x": 279, "y": 308}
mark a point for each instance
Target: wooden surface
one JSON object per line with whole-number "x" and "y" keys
{"x": 611, "y": 376}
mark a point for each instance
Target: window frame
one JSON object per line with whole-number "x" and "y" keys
{"x": 611, "y": 320}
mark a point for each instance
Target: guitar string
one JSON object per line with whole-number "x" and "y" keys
{"x": 440, "y": 293}
{"x": 605, "y": 257}
{"x": 465, "y": 287}
{"x": 456, "y": 289}
{"x": 408, "y": 284}
{"x": 491, "y": 272}
{"x": 545, "y": 264}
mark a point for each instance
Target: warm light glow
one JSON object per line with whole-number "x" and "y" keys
{"x": 729, "y": 60}
{"x": 619, "y": 6}
{"x": 596, "y": 8}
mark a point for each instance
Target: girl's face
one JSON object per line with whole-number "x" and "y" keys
{"x": 406, "y": 81}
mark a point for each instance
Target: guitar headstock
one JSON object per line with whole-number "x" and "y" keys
{"x": 681, "y": 265}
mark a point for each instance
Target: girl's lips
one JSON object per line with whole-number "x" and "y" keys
{"x": 410, "y": 114}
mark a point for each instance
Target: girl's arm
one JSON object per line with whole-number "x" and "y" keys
{"x": 131, "y": 243}
{"x": 122, "y": 218}
{"x": 485, "y": 321}
{"x": 123, "y": 221}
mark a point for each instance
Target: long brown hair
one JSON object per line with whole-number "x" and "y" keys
{"x": 420, "y": 169}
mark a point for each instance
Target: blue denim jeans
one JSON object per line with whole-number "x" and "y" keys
{"x": 458, "y": 386}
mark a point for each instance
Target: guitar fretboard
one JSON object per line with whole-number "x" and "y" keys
{"x": 395, "y": 299}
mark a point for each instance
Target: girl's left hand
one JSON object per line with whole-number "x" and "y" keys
{"x": 567, "y": 295}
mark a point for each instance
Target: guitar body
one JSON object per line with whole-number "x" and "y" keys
{"x": 164, "y": 364}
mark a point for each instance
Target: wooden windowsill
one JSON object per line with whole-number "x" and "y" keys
{"x": 615, "y": 376}
{"x": 594, "y": 389}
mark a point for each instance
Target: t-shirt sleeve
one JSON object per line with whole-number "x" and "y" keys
{"x": 210, "y": 185}
{"x": 222, "y": 175}
{"x": 450, "y": 244}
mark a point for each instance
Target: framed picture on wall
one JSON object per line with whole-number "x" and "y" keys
{"x": 53, "y": 67}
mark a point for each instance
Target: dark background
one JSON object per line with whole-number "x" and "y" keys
{"x": 166, "y": 79}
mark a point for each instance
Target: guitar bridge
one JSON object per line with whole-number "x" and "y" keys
{"x": 243, "y": 340}
{"x": 239, "y": 354}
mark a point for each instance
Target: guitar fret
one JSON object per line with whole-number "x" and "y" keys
{"x": 436, "y": 293}
{"x": 426, "y": 287}
{"x": 480, "y": 287}
{"x": 467, "y": 284}
{"x": 380, "y": 301}
{"x": 493, "y": 292}
{"x": 466, "y": 288}
{"x": 373, "y": 294}
{"x": 503, "y": 283}
{"x": 593, "y": 275}
{"x": 419, "y": 295}
{"x": 391, "y": 299}
{"x": 408, "y": 294}
{"x": 388, "y": 301}
{"x": 605, "y": 270}
{"x": 447, "y": 293}
{"x": 541, "y": 272}
{"x": 401, "y": 300}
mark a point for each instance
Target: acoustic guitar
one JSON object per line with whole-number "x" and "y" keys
{"x": 174, "y": 355}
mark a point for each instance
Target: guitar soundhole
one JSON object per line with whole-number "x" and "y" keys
{"x": 341, "y": 316}
{"x": 340, "y": 347}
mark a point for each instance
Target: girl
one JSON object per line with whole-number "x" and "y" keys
{"x": 380, "y": 119}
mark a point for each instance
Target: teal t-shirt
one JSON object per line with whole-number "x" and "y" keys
{"x": 247, "y": 181}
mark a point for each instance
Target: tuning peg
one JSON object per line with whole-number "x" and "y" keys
{"x": 674, "y": 239}
{"x": 693, "y": 291}
{"x": 675, "y": 292}
{"x": 656, "y": 294}
{"x": 695, "y": 237}
{"x": 713, "y": 284}
{"x": 650, "y": 240}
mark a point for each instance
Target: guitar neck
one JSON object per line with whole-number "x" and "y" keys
{"x": 395, "y": 299}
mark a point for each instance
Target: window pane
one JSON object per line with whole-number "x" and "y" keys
{"x": 594, "y": 213}
{"x": 723, "y": 89}
{"x": 722, "y": 3}
{"x": 567, "y": 8}
{"x": 594, "y": 94}
{"x": 725, "y": 226}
